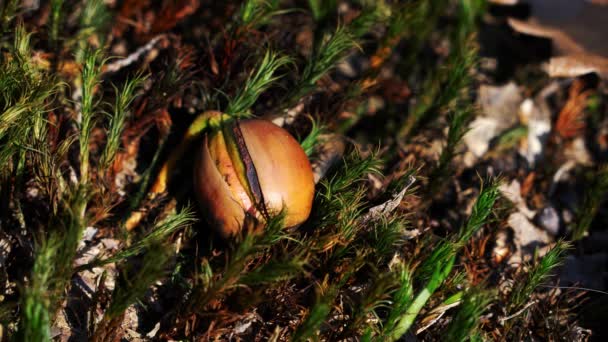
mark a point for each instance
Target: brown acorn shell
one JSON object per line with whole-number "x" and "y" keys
{"x": 220, "y": 207}
{"x": 283, "y": 169}
{"x": 283, "y": 172}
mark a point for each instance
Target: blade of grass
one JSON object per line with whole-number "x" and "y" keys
{"x": 593, "y": 197}
{"x": 539, "y": 273}
{"x": 259, "y": 80}
{"x": 407, "y": 319}
{"x": 322, "y": 8}
{"x": 442, "y": 90}
{"x": 256, "y": 13}
{"x": 435, "y": 269}
{"x": 124, "y": 97}
{"x": 157, "y": 234}
{"x": 91, "y": 70}
{"x": 35, "y": 323}
{"x": 466, "y": 321}
{"x": 458, "y": 127}
{"x": 401, "y": 298}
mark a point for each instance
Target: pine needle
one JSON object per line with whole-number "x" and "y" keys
{"x": 274, "y": 271}
{"x": 94, "y": 21}
{"x": 248, "y": 246}
{"x": 443, "y": 89}
{"x": 316, "y": 316}
{"x": 481, "y": 212}
{"x": 326, "y": 56}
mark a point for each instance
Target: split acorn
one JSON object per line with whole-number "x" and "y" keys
{"x": 249, "y": 170}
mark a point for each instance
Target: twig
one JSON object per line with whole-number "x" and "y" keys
{"x": 134, "y": 56}
{"x": 504, "y": 319}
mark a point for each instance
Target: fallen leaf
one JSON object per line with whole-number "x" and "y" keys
{"x": 513, "y": 192}
{"x": 527, "y": 184}
{"x": 528, "y": 239}
{"x": 386, "y": 208}
{"x": 570, "y": 121}
{"x": 577, "y": 151}
{"x": 172, "y": 13}
{"x": 499, "y": 107}
{"x": 435, "y": 315}
{"x": 501, "y": 249}
{"x": 548, "y": 218}
{"x": 538, "y": 122}
{"x": 578, "y": 30}
{"x": 576, "y": 65}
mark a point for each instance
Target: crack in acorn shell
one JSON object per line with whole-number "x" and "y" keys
{"x": 250, "y": 170}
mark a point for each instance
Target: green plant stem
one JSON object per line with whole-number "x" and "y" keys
{"x": 420, "y": 300}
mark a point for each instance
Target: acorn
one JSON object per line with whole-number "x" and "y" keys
{"x": 246, "y": 171}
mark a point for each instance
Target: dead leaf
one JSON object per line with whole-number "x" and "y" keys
{"x": 174, "y": 12}
{"x": 435, "y": 315}
{"x": 128, "y": 10}
{"x": 538, "y": 122}
{"x": 578, "y": 30}
{"x": 386, "y": 208}
{"x": 570, "y": 122}
{"x": 501, "y": 249}
{"x": 512, "y": 192}
{"x": 527, "y": 184}
{"x": 576, "y": 65}
{"x": 528, "y": 239}
{"x": 499, "y": 107}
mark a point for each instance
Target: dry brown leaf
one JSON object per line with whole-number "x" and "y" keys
{"x": 527, "y": 184}
{"x": 385, "y": 209}
{"x": 578, "y": 30}
{"x": 570, "y": 121}
{"x": 172, "y": 13}
{"x": 576, "y": 65}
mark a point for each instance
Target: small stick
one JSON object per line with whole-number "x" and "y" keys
{"x": 504, "y": 319}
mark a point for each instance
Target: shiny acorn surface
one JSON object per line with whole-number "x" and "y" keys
{"x": 248, "y": 170}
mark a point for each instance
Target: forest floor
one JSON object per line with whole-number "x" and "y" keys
{"x": 460, "y": 169}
